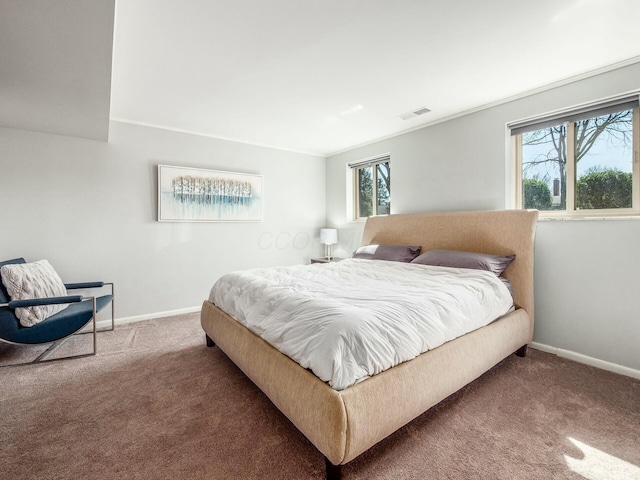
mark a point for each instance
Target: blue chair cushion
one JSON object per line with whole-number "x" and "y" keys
{"x": 58, "y": 326}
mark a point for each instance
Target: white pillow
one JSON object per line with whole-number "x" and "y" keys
{"x": 25, "y": 281}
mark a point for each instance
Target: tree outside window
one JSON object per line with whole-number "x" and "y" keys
{"x": 373, "y": 188}
{"x": 581, "y": 164}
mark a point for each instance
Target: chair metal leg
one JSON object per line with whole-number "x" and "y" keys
{"x": 113, "y": 310}
{"x": 113, "y": 306}
{"x": 95, "y": 331}
{"x": 52, "y": 348}
{"x": 11, "y": 365}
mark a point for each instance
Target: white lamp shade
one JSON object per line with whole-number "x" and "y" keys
{"x": 328, "y": 236}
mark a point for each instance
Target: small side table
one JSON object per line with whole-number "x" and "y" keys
{"x": 324, "y": 260}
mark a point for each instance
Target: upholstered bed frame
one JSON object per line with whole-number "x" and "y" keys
{"x": 339, "y": 423}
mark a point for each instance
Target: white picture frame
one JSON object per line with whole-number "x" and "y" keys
{"x": 199, "y": 195}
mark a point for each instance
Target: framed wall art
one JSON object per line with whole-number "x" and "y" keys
{"x": 199, "y": 195}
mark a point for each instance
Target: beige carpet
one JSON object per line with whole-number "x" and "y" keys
{"x": 156, "y": 403}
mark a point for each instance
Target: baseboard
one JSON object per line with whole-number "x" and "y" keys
{"x": 580, "y": 358}
{"x": 149, "y": 316}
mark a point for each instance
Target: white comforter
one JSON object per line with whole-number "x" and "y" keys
{"x": 352, "y": 319}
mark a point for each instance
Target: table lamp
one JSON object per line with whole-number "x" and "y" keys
{"x": 328, "y": 236}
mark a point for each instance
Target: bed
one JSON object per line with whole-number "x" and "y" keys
{"x": 338, "y": 422}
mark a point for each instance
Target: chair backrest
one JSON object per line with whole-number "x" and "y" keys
{"x": 9, "y": 323}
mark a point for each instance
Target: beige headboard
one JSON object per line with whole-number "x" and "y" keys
{"x": 499, "y": 232}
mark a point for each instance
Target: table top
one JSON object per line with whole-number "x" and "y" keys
{"x": 325, "y": 260}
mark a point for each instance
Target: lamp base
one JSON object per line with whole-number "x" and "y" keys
{"x": 327, "y": 251}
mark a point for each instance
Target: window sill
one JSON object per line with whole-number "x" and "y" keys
{"x": 589, "y": 218}
{"x": 364, "y": 219}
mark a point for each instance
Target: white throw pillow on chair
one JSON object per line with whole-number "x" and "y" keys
{"x": 25, "y": 281}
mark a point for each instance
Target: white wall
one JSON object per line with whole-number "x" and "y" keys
{"x": 587, "y": 272}
{"x": 89, "y": 207}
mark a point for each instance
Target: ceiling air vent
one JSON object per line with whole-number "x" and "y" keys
{"x": 415, "y": 113}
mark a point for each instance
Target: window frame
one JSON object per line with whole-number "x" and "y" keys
{"x": 355, "y": 169}
{"x": 570, "y": 210}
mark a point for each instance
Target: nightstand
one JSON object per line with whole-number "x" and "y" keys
{"x": 324, "y": 260}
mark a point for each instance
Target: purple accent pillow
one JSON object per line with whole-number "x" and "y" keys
{"x": 477, "y": 261}
{"x": 508, "y": 285}
{"x": 394, "y": 253}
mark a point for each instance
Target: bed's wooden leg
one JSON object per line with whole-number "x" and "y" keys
{"x": 334, "y": 472}
{"x": 210, "y": 342}
{"x": 522, "y": 351}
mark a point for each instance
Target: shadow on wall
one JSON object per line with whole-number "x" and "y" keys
{"x": 349, "y": 239}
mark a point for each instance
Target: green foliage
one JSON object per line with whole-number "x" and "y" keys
{"x": 536, "y": 194}
{"x": 384, "y": 186}
{"x": 366, "y": 192}
{"x": 600, "y": 188}
{"x": 381, "y": 172}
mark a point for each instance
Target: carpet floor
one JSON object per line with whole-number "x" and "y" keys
{"x": 156, "y": 403}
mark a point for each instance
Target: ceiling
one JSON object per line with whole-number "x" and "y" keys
{"x": 314, "y": 76}
{"x": 55, "y": 66}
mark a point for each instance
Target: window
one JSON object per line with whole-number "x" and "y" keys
{"x": 372, "y": 187}
{"x": 581, "y": 162}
